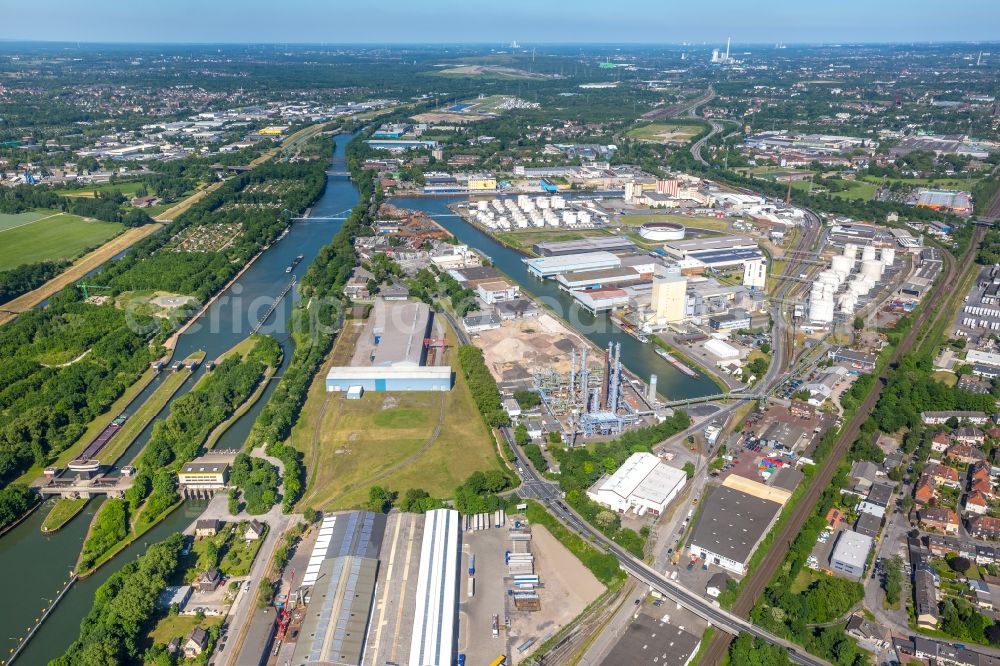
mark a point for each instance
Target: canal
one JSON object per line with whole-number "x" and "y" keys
{"x": 636, "y": 356}
{"x": 36, "y": 566}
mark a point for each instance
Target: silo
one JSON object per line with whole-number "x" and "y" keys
{"x": 868, "y": 253}
{"x": 842, "y": 264}
{"x": 847, "y": 302}
{"x": 888, "y": 256}
{"x": 851, "y": 251}
{"x": 871, "y": 269}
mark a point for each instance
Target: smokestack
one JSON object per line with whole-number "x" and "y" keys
{"x": 651, "y": 396}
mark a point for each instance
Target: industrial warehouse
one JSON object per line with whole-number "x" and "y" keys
{"x": 643, "y": 483}
{"x": 396, "y": 572}
{"x": 392, "y": 353}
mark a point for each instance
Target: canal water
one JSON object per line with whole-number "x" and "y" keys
{"x": 36, "y": 566}
{"x": 636, "y": 356}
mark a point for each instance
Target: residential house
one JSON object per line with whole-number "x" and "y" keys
{"x": 869, "y": 635}
{"x": 833, "y": 518}
{"x": 717, "y": 584}
{"x": 969, "y": 435}
{"x": 925, "y": 491}
{"x": 255, "y": 530}
{"x": 984, "y": 527}
{"x": 987, "y": 554}
{"x": 966, "y": 454}
{"x": 925, "y": 595}
{"x": 209, "y": 580}
{"x": 206, "y": 527}
{"x": 942, "y": 475}
{"x": 941, "y": 442}
{"x": 940, "y": 418}
{"x": 868, "y": 524}
{"x": 940, "y": 545}
{"x": 977, "y": 503}
{"x": 863, "y": 474}
{"x": 939, "y": 518}
{"x": 195, "y": 643}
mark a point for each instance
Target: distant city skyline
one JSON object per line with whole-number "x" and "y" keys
{"x": 456, "y": 21}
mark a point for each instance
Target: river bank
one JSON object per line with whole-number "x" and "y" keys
{"x": 638, "y": 358}
{"x": 50, "y": 557}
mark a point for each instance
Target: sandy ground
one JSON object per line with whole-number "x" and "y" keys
{"x": 569, "y": 588}
{"x": 518, "y": 347}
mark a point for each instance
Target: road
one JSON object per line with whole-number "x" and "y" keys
{"x": 548, "y": 494}
{"x": 758, "y": 580}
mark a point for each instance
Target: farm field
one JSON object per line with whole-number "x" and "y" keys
{"x": 429, "y": 440}
{"x": 51, "y": 237}
{"x": 666, "y": 132}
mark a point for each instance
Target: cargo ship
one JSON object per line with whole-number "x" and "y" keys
{"x": 630, "y": 329}
{"x": 88, "y": 462}
{"x": 295, "y": 262}
{"x": 676, "y": 363}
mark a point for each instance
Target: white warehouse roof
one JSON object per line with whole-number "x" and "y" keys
{"x": 437, "y": 600}
{"x": 642, "y": 479}
{"x": 721, "y": 349}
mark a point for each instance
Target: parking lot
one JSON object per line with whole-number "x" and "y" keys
{"x": 475, "y": 614}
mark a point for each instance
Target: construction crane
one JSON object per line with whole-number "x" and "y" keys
{"x": 285, "y": 617}
{"x": 88, "y": 287}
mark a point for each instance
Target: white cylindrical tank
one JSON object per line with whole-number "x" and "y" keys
{"x": 847, "y": 302}
{"x": 821, "y": 310}
{"x": 888, "y": 256}
{"x": 868, "y": 253}
{"x": 828, "y": 277}
{"x": 851, "y": 251}
{"x": 841, "y": 263}
{"x": 871, "y": 269}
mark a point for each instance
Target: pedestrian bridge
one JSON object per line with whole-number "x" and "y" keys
{"x": 736, "y": 395}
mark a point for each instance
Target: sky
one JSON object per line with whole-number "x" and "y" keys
{"x": 527, "y": 21}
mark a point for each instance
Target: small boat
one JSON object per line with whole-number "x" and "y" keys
{"x": 295, "y": 262}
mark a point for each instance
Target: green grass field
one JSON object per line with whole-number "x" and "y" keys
{"x": 61, "y": 513}
{"x": 710, "y": 223}
{"x": 13, "y": 220}
{"x": 128, "y": 189}
{"x": 173, "y": 626}
{"x": 61, "y": 236}
{"x": 378, "y": 440}
{"x": 524, "y": 240}
{"x": 665, "y": 132}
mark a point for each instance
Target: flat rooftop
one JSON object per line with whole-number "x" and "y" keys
{"x": 732, "y": 523}
{"x": 651, "y": 641}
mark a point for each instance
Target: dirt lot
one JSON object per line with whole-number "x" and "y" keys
{"x": 569, "y": 588}
{"x": 518, "y": 347}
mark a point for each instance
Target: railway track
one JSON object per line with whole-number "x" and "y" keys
{"x": 761, "y": 577}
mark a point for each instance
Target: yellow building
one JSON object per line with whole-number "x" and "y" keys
{"x": 669, "y": 299}
{"x": 272, "y": 131}
{"x": 482, "y": 183}
{"x": 203, "y": 477}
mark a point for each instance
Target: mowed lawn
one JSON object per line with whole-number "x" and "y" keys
{"x": 389, "y": 439}
{"x": 61, "y": 236}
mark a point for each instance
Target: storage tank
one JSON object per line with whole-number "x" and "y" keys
{"x": 828, "y": 277}
{"x": 842, "y": 264}
{"x": 847, "y": 302}
{"x": 821, "y": 310}
{"x": 888, "y": 256}
{"x": 851, "y": 251}
{"x": 871, "y": 269}
{"x": 868, "y": 253}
